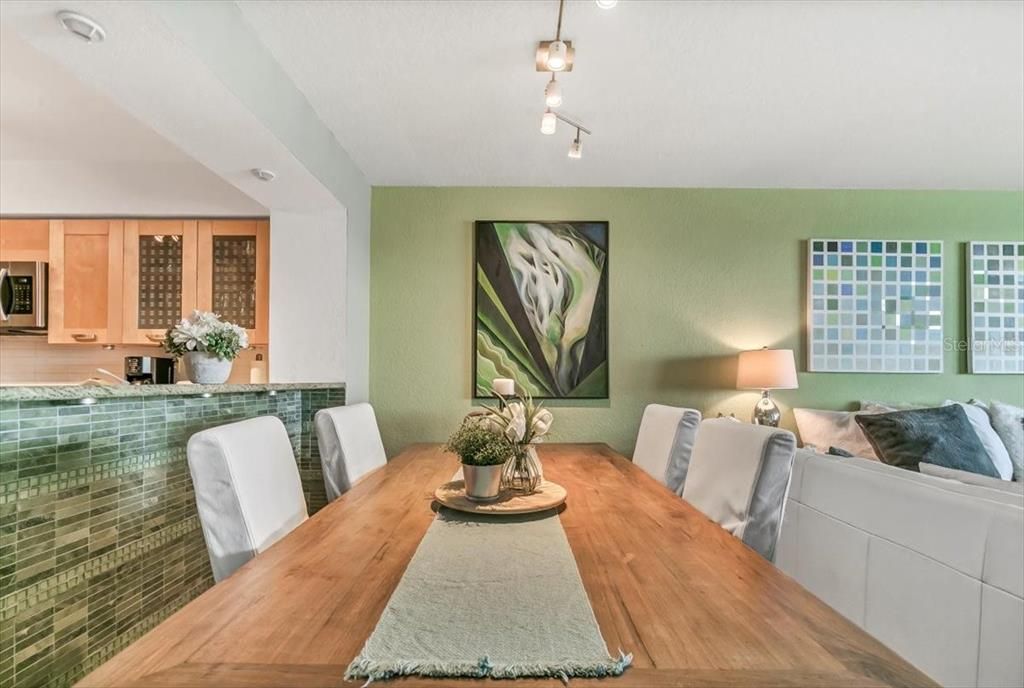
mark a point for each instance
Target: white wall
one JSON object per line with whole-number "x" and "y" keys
{"x": 59, "y": 187}
{"x": 307, "y": 297}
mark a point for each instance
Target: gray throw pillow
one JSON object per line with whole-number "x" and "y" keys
{"x": 942, "y": 436}
{"x": 1008, "y": 422}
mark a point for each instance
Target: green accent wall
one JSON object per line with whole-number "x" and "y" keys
{"x": 696, "y": 275}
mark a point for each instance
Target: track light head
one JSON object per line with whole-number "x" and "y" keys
{"x": 548, "y": 123}
{"x": 558, "y": 56}
{"x": 576, "y": 147}
{"x": 553, "y": 93}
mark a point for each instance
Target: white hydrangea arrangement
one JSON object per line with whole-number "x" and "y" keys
{"x": 204, "y": 331}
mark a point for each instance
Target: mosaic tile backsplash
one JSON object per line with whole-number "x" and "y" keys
{"x": 995, "y": 297}
{"x": 874, "y": 306}
{"x": 99, "y": 537}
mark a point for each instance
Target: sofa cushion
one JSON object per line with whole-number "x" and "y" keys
{"x": 942, "y": 436}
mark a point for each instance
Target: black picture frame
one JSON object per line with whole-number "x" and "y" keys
{"x": 601, "y": 316}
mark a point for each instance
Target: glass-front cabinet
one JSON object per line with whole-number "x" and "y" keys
{"x": 234, "y": 270}
{"x": 160, "y": 277}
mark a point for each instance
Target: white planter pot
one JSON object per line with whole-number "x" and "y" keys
{"x": 483, "y": 483}
{"x": 205, "y": 368}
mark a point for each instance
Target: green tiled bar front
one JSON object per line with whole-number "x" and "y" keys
{"x": 99, "y": 537}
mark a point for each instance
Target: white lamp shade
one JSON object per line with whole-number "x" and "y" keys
{"x": 553, "y": 94}
{"x": 548, "y": 123}
{"x": 576, "y": 149}
{"x": 558, "y": 54}
{"x": 766, "y": 369}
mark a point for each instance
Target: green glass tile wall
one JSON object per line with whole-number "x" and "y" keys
{"x": 99, "y": 538}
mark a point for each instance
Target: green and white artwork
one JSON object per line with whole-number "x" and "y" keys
{"x": 541, "y": 308}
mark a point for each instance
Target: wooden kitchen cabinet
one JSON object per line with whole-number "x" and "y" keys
{"x": 24, "y": 240}
{"x": 160, "y": 277}
{"x": 234, "y": 273}
{"x": 86, "y": 269}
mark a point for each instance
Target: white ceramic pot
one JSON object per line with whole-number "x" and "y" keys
{"x": 205, "y": 368}
{"x": 482, "y": 482}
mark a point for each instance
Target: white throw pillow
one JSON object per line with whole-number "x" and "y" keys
{"x": 994, "y": 446}
{"x": 1008, "y": 422}
{"x": 968, "y": 478}
{"x": 826, "y": 429}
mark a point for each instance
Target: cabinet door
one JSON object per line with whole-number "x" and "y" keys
{"x": 85, "y": 281}
{"x": 159, "y": 277}
{"x": 24, "y": 240}
{"x": 234, "y": 273}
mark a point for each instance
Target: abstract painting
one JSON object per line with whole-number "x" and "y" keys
{"x": 995, "y": 298}
{"x": 541, "y": 308}
{"x": 874, "y": 306}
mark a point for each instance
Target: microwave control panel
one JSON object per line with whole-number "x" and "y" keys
{"x": 21, "y": 285}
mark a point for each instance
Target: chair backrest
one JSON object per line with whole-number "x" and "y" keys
{"x": 665, "y": 442}
{"x": 350, "y": 446}
{"x": 738, "y": 477}
{"x": 248, "y": 490}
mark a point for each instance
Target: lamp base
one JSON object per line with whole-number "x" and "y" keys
{"x": 766, "y": 412}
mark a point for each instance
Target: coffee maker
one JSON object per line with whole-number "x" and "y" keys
{"x": 149, "y": 370}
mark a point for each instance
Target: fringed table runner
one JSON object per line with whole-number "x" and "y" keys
{"x": 489, "y": 596}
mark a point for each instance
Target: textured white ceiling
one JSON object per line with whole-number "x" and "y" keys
{"x": 696, "y": 94}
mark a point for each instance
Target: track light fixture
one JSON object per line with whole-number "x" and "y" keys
{"x": 607, "y": 4}
{"x": 557, "y": 56}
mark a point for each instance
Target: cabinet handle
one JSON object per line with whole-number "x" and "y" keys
{"x": 155, "y": 338}
{"x": 84, "y": 337}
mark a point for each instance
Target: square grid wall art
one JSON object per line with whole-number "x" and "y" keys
{"x": 995, "y": 298}
{"x": 874, "y": 306}
{"x": 541, "y": 308}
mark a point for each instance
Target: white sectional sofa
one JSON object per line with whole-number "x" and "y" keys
{"x": 931, "y": 567}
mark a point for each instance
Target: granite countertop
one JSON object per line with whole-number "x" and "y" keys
{"x": 76, "y": 391}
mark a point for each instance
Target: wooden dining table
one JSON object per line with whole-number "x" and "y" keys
{"x": 692, "y": 604}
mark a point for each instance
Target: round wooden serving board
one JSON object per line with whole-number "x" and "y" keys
{"x": 548, "y": 496}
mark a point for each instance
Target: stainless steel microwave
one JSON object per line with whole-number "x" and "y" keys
{"x": 23, "y": 297}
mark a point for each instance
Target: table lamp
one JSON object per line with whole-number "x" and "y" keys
{"x": 766, "y": 369}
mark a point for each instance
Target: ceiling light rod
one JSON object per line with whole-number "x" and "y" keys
{"x": 558, "y": 29}
{"x": 572, "y": 123}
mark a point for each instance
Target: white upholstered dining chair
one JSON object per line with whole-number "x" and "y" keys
{"x": 665, "y": 442}
{"x": 350, "y": 446}
{"x": 248, "y": 490}
{"x": 739, "y": 476}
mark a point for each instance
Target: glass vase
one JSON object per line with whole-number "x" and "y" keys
{"x": 522, "y": 472}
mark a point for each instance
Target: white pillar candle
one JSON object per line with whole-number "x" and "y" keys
{"x": 504, "y": 386}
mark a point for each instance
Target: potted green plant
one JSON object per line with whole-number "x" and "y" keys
{"x": 483, "y": 453}
{"x": 208, "y": 344}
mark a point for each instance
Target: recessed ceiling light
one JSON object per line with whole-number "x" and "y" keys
{"x": 607, "y": 4}
{"x": 82, "y": 26}
{"x": 264, "y": 175}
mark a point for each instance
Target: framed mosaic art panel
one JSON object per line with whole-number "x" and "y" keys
{"x": 541, "y": 308}
{"x": 874, "y": 306}
{"x": 995, "y": 306}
